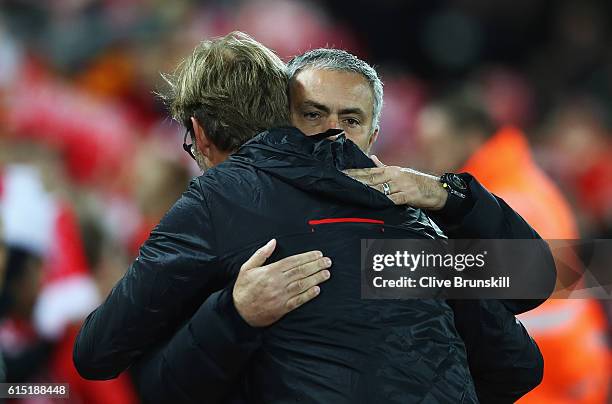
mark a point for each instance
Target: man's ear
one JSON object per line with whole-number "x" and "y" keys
{"x": 373, "y": 138}
{"x": 201, "y": 140}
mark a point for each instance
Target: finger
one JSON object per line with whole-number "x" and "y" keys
{"x": 392, "y": 189}
{"x": 305, "y": 270}
{"x": 377, "y": 161}
{"x": 294, "y": 261}
{"x": 373, "y": 177}
{"x": 303, "y": 284}
{"x": 260, "y": 256}
{"x": 398, "y": 198}
{"x": 302, "y": 298}
{"x": 362, "y": 172}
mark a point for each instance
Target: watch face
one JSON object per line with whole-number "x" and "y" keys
{"x": 458, "y": 182}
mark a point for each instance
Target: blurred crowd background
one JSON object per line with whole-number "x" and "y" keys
{"x": 89, "y": 161}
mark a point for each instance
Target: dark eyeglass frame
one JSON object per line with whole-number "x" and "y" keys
{"x": 188, "y": 147}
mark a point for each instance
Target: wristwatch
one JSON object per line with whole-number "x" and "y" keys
{"x": 459, "y": 201}
{"x": 454, "y": 185}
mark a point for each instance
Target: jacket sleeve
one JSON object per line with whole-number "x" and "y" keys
{"x": 175, "y": 271}
{"x": 486, "y": 216}
{"x": 483, "y": 215}
{"x": 504, "y": 360}
{"x": 203, "y": 359}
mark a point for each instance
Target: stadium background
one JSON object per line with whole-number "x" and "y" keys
{"x": 89, "y": 161}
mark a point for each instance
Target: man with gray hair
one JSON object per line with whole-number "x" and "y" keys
{"x": 326, "y": 87}
{"x": 315, "y": 96}
{"x": 329, "y": 350}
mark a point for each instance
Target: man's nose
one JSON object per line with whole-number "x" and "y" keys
{"x": 332, "y": 123}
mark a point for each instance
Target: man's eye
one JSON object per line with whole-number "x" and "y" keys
{"x": 312, "y": 115}
{"x": 351, "y": 122}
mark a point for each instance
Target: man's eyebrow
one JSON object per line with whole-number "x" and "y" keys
{"x": 345, "y": 111}
{"x": 348, "y": 111}
{"x": 309, "y": 103}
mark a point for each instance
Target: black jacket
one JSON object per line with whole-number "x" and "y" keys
{"x": 336, "y": 348}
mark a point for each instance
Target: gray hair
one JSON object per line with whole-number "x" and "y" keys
{"x": 336, "y": 59}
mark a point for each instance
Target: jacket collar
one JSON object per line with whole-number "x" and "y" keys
{"x": 312, "y": 163}
{"x": 338, "y": 152}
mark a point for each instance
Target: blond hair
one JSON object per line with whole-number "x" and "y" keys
{"x": 234, "y": 86}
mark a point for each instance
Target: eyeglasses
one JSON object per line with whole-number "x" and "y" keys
{"x": 188, "y": 147}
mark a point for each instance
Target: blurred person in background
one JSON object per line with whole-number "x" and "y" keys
{"x": 577, "y": 149}
{"x": 106, "y": 261}
{"x": 160, "y": 180}
{"x": 3, "y": 256}
{"x": 458, "y": 133}
{"x": 25, "y": 353}
{"x": 48, "y": 286}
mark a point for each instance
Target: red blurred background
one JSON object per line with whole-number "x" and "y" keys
{"x": 89, "y": 161}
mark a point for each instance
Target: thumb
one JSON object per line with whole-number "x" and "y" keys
{"x": 377, "y": 161}
{"x": 260, "y": 256}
